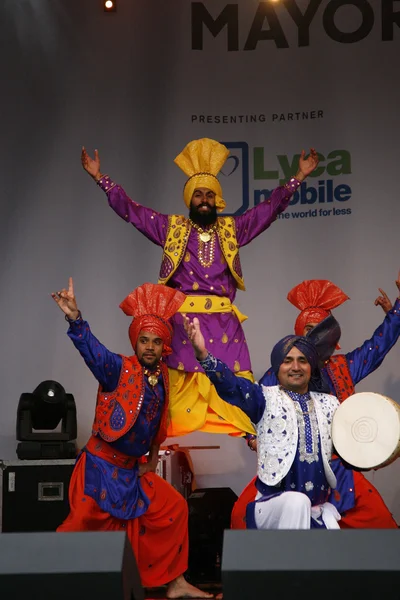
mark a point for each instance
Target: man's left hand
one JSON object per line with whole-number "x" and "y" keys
{"x": 307, "y": 165}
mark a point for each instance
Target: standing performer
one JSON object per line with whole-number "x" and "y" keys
{"x": 201, "y": 258}
{"x": 109, "y": 489}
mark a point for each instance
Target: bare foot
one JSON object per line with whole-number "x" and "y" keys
{"x": 180, "y": 588}
{"x": 219, "y": 597}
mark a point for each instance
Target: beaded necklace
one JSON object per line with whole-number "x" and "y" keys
{"x": 152, "y": 376}
{"x": 206, "y": 247}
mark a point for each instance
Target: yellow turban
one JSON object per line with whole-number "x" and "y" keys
{"x": 201, "y": 160}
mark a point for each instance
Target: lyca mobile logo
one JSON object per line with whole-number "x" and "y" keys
{"x": 248, "y": 186}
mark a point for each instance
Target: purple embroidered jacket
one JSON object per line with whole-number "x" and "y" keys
{"x": 222, "y": 331}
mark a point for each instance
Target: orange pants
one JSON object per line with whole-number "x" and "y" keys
{"x": 369, "y": 512}
{"x": 159, "y": 538}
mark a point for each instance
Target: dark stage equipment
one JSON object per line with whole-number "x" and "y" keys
{"x": 80, "y": 566}
{"x": 34, "y": 494}
{"x": 209, "y": 515}
{"x": 42, "y": 410}
{"x": 345, "y": 564}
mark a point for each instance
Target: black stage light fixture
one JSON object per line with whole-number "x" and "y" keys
{"x": 110, "y": 5}
{"x": 42, "y": 410}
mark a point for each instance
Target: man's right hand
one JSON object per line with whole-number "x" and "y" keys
{"x": 195, "y": 336}
{"x": 66, "y": 301}
{"x": 91, "y": 166}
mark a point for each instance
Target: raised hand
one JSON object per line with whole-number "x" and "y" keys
{"x": 66, "y": 301}
{"x": 91, "y": 166}
{"x": 383, "y": 301}
{"x": 307, "y": 165}
{"x": 195, "y": 336}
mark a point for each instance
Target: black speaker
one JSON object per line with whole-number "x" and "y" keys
{"x": 209, "y": 515}
{"x": 80, "y": 565}
{"x": 345, "y": 564}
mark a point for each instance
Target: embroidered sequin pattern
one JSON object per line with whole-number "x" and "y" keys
{"x": 118, "y": 418}
{"x": 209, "y": 363}
{"x": 153, "y": 405}
{"x": 276, "y": 445}
{"x": 308, "y": 426}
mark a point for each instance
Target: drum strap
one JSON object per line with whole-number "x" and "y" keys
{"x": 339, "y": 373}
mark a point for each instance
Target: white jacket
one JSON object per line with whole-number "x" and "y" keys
{"x": 277, "y": 450}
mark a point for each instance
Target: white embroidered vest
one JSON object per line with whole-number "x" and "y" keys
{"x": 278, "y": 434}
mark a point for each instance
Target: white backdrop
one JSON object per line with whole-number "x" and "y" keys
{"x": 138, "y": 85}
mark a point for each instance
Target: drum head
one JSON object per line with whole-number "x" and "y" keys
{"x": 366, "y": 430}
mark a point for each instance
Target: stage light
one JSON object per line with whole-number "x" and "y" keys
{"x": 42, "y": 410}
{"x": 110, "y": 6}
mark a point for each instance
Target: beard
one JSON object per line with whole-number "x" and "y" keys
{"x": 200, "y": 218}
{"x": 149, "y": 363}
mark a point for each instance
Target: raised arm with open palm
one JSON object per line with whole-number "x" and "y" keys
{"x": 91, "y": 165}
{"x": 195, "y": 336}
{"x": 307, "y": 164}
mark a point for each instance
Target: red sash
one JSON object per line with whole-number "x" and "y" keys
{"x": 100, "y": 448}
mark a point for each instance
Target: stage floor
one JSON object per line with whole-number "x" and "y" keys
{"x": 160, "y": 593}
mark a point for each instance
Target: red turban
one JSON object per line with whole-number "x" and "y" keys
{"x": 315, "y": 298}
{"x": 151, "y": 306}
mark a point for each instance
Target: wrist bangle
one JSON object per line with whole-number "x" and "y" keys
{"x": 100, "y": 178}
{"x": 250, "y": 440}
{"x": 73, "y": 320}
{"x": 292, "y": 184}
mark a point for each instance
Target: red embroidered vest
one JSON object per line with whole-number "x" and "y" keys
{"x": 338, "y": 371}
{"x": 117, "y": 411}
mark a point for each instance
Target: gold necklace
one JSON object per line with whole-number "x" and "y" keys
{"x": 204, "y": 235}
{"x": 152, "y": 376}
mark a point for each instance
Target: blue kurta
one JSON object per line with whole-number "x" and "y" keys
{"x": 307, "y": 474}
{"x": 125, "y": 498}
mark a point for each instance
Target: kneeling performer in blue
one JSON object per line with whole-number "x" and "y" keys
{"x": 293, "y": 421}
